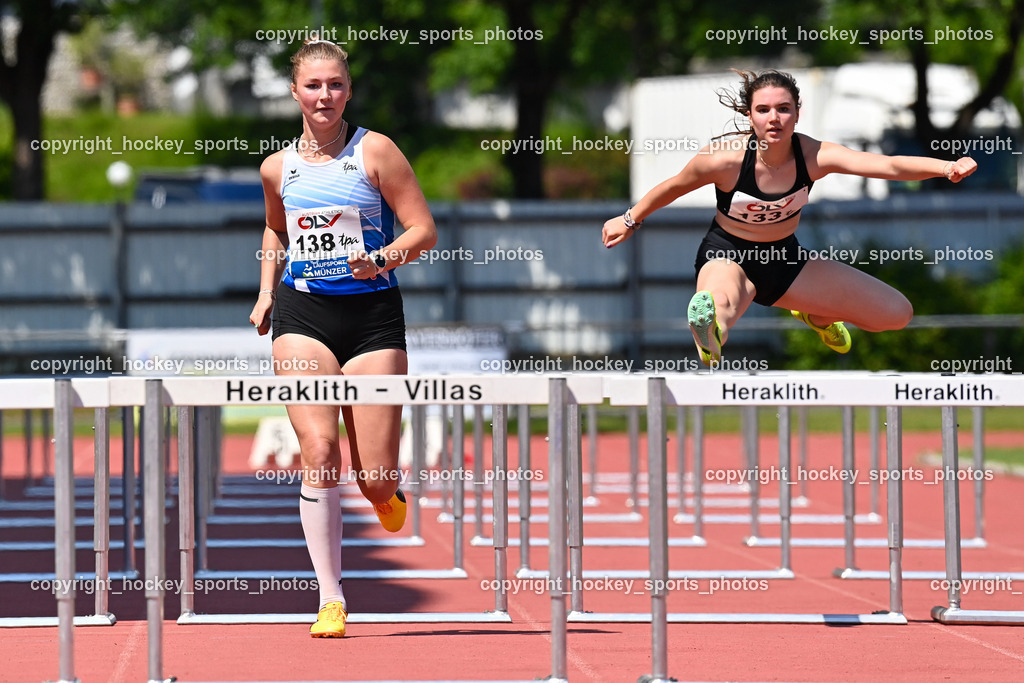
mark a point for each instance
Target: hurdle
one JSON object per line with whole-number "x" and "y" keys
{"x": 893, "y": 391}
{"x": 729, "y": 389}
{"x": 377, "y": 390}
{"x": 953, "y": 613}
{"x": 61, "y": 397}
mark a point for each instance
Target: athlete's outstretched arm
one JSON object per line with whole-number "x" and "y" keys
{"x": 833, "y": 158}
{"x": 702, "y": 169}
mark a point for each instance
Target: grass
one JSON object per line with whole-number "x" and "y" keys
{"x": 1013, "y": 457}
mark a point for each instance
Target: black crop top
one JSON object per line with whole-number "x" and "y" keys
{"x": 746, "y": 203}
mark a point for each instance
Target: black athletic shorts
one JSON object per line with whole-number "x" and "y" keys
{"x": 770, "y": 266}
{"x": 348, "y": 324}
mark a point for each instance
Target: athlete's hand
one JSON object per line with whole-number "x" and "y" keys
{"x": 615, "y": 232}
{"x": 362, "y": 267}
{"x": 260, "y": 316}
{"x": 961, "y": 168}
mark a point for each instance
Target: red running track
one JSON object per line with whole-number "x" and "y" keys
{"x": 922, "y": 650}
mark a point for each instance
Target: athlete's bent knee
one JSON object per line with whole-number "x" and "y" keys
{"x": 900, "y": 313}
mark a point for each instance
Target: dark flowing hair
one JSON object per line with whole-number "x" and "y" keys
{"x": 740, "y": 101}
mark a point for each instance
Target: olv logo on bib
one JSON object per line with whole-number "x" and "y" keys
{"x": 321, "y": 240}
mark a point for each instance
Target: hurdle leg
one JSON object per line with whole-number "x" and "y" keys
{"x": 525, "y": 487}
{"x": 785, "y": 499}
{"x": 419, "y": 456}
{"x": 478, "y": 475}
{"x": 204, "y": 482}
{"x": 557, "y": 529}
{"x": 592, "y": 449}
{"x": 153, "y": 472}
{"x": 101, "y": 514}
{"x": 46, "y": 428}
{"x": 657, "y": 487}
{"x": 951, "y": 501}
{"x": 894, "y": 499}
{"x": 753, "y": 456}
{"x": 681, "y": 454}
{"x": 499, "y": 509}
{"x": 979, "y": 483}
{"x": 128, "y": 487}
{"x": 64, "y": 529}
{"x": 875, "y": 483}
{"x": 849, "y": 497}
{"x": 458, "y": 482}
{"x": 697, "y": 416}
{"x": 186, "y": 509}
{"x": 28, "y": 447}
{"x": 446, "y": 464}
{"x": 633, "y": 421}
{"x": 801, "y": 421}
{"x": 575, "y": 499}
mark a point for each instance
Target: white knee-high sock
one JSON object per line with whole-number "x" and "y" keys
{"x": 320, "y": 512}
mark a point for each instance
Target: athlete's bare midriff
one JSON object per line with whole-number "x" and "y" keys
{"x": 770, "y": 232}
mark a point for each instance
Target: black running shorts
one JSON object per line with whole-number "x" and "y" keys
{"x": 771, "y": 267}
{"x": 347, "y": 324}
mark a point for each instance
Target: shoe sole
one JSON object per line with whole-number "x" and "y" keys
{"x": 701, "y": 316}
{"x": 328, "y": 634}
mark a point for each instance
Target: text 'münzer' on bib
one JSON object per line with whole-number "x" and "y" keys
{"x": 321, "y": 240}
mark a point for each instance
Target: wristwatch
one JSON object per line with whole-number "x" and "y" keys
{"x": 627, "y": 219}
{"x": 379, "y": 260}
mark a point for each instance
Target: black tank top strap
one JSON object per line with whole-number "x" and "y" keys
{"x": 745, "y": 179}
{"x": 802, "y": 176}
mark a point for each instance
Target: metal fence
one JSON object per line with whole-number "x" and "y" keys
{"x": 71, "y": 276}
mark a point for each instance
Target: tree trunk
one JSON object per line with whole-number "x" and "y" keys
{"x": 21, "y": 87}
{"x": 526, "y": 164}
{"x": 536, "y": 67}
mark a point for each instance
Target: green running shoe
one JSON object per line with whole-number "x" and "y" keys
{"x": 835, "y": 336}
{"x": 707, "y": 330}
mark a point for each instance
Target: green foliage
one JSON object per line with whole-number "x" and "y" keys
{"x": 6, "y": 152}
{"x": 972, "y": 34}
{"x": 1005, "y": 295}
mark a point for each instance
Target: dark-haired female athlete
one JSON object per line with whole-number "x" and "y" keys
{"x": 750, "y": 253}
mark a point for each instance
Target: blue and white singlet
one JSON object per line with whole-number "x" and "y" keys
{"x": 331, "y": 209}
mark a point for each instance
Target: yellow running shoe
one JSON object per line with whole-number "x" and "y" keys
{"x": 330, "y": 622}
{"x": 392, "y": 513}
{"x": 706, "y": 328}
{"x": 835, "y": 336}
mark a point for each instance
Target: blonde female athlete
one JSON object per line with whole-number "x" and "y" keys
{"x": 332, "y": 205}
{"x": 750, "y": 253}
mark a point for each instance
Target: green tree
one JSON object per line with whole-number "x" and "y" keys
{"x": 555, "y": 48}
{"x": 984, "y": 35}
{"x": 23, "y": 74}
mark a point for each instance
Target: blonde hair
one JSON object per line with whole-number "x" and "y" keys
{"x": 315, "y": 49}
